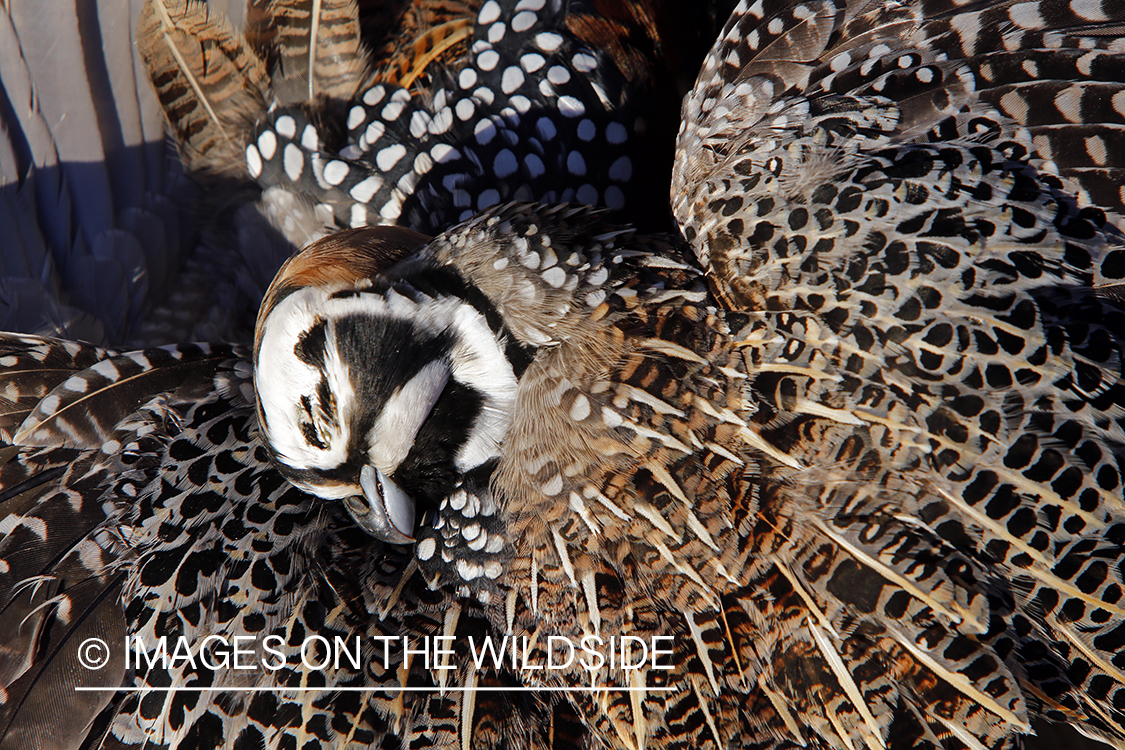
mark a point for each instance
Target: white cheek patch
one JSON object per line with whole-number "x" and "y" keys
{"x": 392, "y": 435}
{"x": 328, "y": 491}
{"x": 282, "y": 379}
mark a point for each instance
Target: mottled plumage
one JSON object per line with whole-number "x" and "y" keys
{"x": 173, "y": 523}
{"x": 865, "y": 465}
{"x": 853, "y": 442}
{"x": 137, "y": 493}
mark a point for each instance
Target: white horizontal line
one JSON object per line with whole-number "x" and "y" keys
{"x": 374, "y": 689}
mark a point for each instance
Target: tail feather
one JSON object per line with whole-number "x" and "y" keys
{"x": 83, "y": 410}
{"x": 29, "y": 714}
{"x": 32, "y": 367}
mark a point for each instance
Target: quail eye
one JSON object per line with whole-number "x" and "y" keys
{"x": 383, "y": 510}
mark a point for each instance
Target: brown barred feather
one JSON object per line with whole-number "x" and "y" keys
{"x": 210, "y": 83}
{"x": 314, "y": 46}
{"x": 429, "y": 32}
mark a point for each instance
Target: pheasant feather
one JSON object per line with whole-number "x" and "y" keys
{"x": 210, "y": 83}
{"x": 316, "y": 47}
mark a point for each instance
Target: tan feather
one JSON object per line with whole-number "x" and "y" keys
{"x": 428, "y": 32}
{"x": 411, "y": 64}
{"x": 315, "y": 47}
{"x": 210, "y": 83}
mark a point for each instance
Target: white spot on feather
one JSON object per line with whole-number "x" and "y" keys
{"x": 504, "y": 165}
{"x": 580, "y": 409}
{"x": 584, "y": 62}
{"x": 555, "y": 277}
{"x": 489, "y": 12}
{"x": 621, "y": 170}
{"x": 286, "y": 126}
{"x": 1026, "y": 15}
{"x": 1089, "y": 10}
{"x": 253, "y": 161}
{"x": 293, "y": 160}
{"x": 310, "y": 140}
{"x": 558, "y": 75}
{"x": 388, "y": 157}
{"x": 614, "y": 197}
{"x": 267, "y": 144}
{"x": 571, "y": 107}
{"x": 523, "y": 21}
{"x": 488, "y": 59}
{"x": 532, "y": 62}
{"x": 548, "y": 41}
{"x": 335, "y": 172}
{"x": 511, "y": 80}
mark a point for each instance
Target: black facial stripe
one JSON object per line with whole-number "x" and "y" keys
{"x": 383, "y": 353}
{"x": 428, "y": 472}
{"x": 310, "y": 347}
{"x": 326, "y": 401}
{"x": 308, "y": 425}
{"x": 309, "y": 431}
{"x": 447, "y": 282}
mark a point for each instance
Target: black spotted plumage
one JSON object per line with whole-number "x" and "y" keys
{"x": 467, "y": 104}
{"x": 791, "y": 511}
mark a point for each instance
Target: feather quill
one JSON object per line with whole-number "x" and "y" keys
{"x": 315, "y": 46}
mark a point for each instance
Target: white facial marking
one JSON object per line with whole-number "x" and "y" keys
{"x": 282, "y": 379}
{"x": 478, "y": 361}
{"x": 393, "y": 433}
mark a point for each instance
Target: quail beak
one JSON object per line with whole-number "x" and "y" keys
{"x": 383, "y": 510}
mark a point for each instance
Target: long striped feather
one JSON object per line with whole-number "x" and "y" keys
{"x": 210, "y": 82}
{"x": 82, "y": 411}
{"x": 316, "y": 45}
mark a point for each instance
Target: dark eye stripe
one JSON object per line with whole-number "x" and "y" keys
{"x": 326, "y": 401}
{"x": 310, "y": 347}
{"x": 309, "y": 431}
